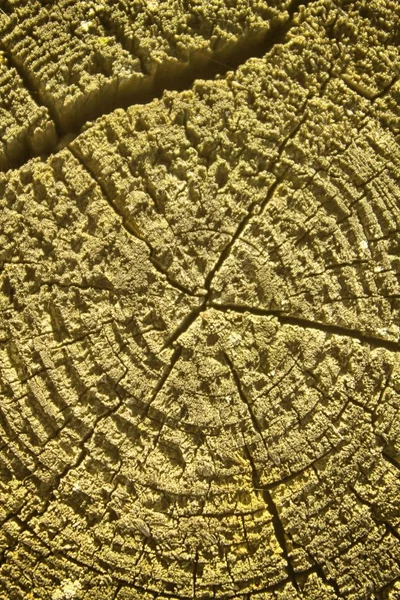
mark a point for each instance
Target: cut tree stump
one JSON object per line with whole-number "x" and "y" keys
{"x": 200, "y": 300}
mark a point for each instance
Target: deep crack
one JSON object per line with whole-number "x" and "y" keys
{"x": 168, "y": 77}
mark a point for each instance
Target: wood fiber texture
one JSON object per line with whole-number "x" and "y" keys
{"x": 200, "y": 300}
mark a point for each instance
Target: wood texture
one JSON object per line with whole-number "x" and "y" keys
{"x": 200, "y": 296}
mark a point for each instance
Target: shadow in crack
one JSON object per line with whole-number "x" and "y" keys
{"x": 140, "y": 88}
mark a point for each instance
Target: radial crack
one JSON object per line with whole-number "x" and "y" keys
{"x": 276, "y": 520}
{"x": 254, "y": 209}
{"x": 373, "y": 341}
{"x": 286, "y": 319}
{"x": 184, "y": 325}
{"x": 167, "y": 372}
{"x": 244, "y": 398}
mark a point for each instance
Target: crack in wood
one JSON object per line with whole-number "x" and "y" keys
{"x": 247, "y": 47}
{"x": 285, "y": 318}
{"x": 373, "y": 341}
{"x": 194, "y": 564}
{"x": 279, "y": 530}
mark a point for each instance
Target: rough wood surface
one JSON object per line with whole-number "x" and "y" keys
{"x": 200, "y": 300}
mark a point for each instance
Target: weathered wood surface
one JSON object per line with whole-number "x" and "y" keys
{"x": 200, "y": 297}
